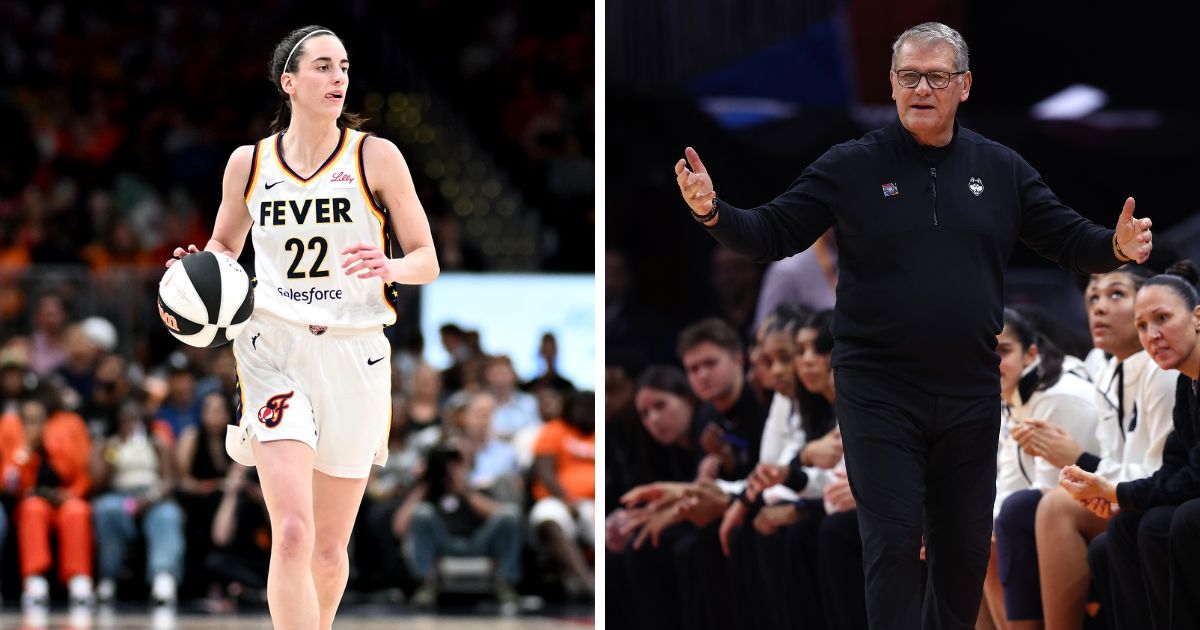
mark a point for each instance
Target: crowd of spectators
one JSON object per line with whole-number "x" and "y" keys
{"x": 125, "y": 464}
{"x": 727, "y": 500}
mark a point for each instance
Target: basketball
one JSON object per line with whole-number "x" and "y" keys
{"x": 205, "y": 299}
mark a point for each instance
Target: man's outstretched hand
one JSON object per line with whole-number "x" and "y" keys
{"x": 694, "y": 184}
{"x": 1133, "y": 235}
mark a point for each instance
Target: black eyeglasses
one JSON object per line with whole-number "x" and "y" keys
{"x": 937, "y": 80}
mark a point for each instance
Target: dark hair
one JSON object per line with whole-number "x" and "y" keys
{"x": 279, "y": 57}
{"x": 816, "y": 413}
{"x": 629, "y": 360}
{"x": 786, "y": 316}
{"x": 711, "y": 330}
{"x": 579, "y": 410}
{"x": 1139, "y": 274}
{"x": 667, "y": 378}
{"x": 1181, "y": 279}
{"x": 437, "y": 469}
{"x": 1027, "y": 335}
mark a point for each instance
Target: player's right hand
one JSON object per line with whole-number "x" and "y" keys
{"x": 180, "y": 252}
{"x": 694, "y": 183}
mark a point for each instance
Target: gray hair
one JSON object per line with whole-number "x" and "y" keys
{"x": 935, "y": 33}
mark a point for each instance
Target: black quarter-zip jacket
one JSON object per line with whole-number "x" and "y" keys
{"x": 924, "y": 235}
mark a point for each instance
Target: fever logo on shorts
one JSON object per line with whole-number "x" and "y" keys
{"x": 271, "y": 414}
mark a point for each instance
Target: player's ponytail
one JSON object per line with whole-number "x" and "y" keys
{"x": 286, "y": 58}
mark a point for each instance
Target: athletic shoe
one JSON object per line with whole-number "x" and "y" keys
{"x": 106, "y": 590}
{"x": 36, "y": 591}
{"x": 426, "y": 595}
{"x": 508, "y": 598}
{"x": 79, "y": 588}
{"x": 163, "y": 590}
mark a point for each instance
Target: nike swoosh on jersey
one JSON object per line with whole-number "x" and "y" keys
{"x": 268, "y": 186}
{"x": 374, "y": 361}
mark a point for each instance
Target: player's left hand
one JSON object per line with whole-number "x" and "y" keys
{"x": 368, "y": 261}
{"x": 1083, "y": 485}
{"x": 1133, "y": 235}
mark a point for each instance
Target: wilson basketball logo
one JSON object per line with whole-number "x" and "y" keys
{"x": 167, "y": 318}
{"x": 271, "y": 414}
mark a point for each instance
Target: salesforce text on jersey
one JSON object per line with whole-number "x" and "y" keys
{"x": 311, "y": 295}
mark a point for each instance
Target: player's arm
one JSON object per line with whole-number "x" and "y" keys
{"x": 388, "y": 173}
{"x": 233, "y": 218}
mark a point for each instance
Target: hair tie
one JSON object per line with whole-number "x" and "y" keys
{"x": 289, "y": 57}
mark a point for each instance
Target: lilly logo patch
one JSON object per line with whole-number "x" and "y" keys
{"x": 341, "y": 179}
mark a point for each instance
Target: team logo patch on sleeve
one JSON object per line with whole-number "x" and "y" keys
{"x": 271, "y": 414}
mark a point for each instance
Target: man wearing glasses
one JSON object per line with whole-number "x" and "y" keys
{"x": 926, "y": 214}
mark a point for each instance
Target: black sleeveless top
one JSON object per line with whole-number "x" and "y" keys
{"x": 203, "y": 466}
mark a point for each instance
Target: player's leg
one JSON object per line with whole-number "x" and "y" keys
{"x": 1063, "y": 530}
{"x": 284, "y": 468}
{"x": 1017, "y": 573}
{"x": 349, "y": 379}
{"x": 335, "y": 501}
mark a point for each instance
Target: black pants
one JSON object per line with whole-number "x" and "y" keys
{"x": 839, "y": 550}
{"x": 646, "y": 585}
{"x": 920, "y": 463}
{"x": 1138, "y": 560}
{"x": 703, "y": 574}
{"x": 747, "y": 596}
{"x": 1098, "y": 563}
{"x": 1153, "y": 567}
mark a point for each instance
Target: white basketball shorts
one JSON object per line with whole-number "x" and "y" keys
{"x": 329, "y": 388}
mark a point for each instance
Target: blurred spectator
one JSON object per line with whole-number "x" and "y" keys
{"x": 728, "y": 428}
{"x": 202, "y": 466}
{"x": 221, "y": 377}
{"x": 516, "y": 416}
{"x": 445, "y": 516}
{"x": 17, "y": 380}
{"x": 457, "y": 345}
{"x": 565, "y": 486}
{"x": 376, "y": 546}
{"x": 181, "y": 408}
{"x": 548, "y": 352}
{"x": 424, "y": 405}
{"x": 241, "y": 537}
{"x": 49, "y": 343}
{"x": 44, "y": 454}
{"x": 627, "y": 322}
{"x": 137, "y": 470}
{"x": 110, "y": 387}
{"x": 493, "y": 462}
{"x": 79, "y": 369}
{"x": 736, "y": 282}
{"x": 808, "y": 278}
{"x": 627, "y": 446}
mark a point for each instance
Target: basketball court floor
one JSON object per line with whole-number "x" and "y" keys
{"x": 359, "y": 618}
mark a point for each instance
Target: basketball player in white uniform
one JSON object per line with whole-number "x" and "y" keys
{"x": 313, "y": 365}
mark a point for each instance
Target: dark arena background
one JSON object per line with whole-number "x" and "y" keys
{"x": 117, "y": 119}
{"x": 762, "y": 90}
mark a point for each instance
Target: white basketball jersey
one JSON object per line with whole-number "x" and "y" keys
{"x": 301, "y": 227}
